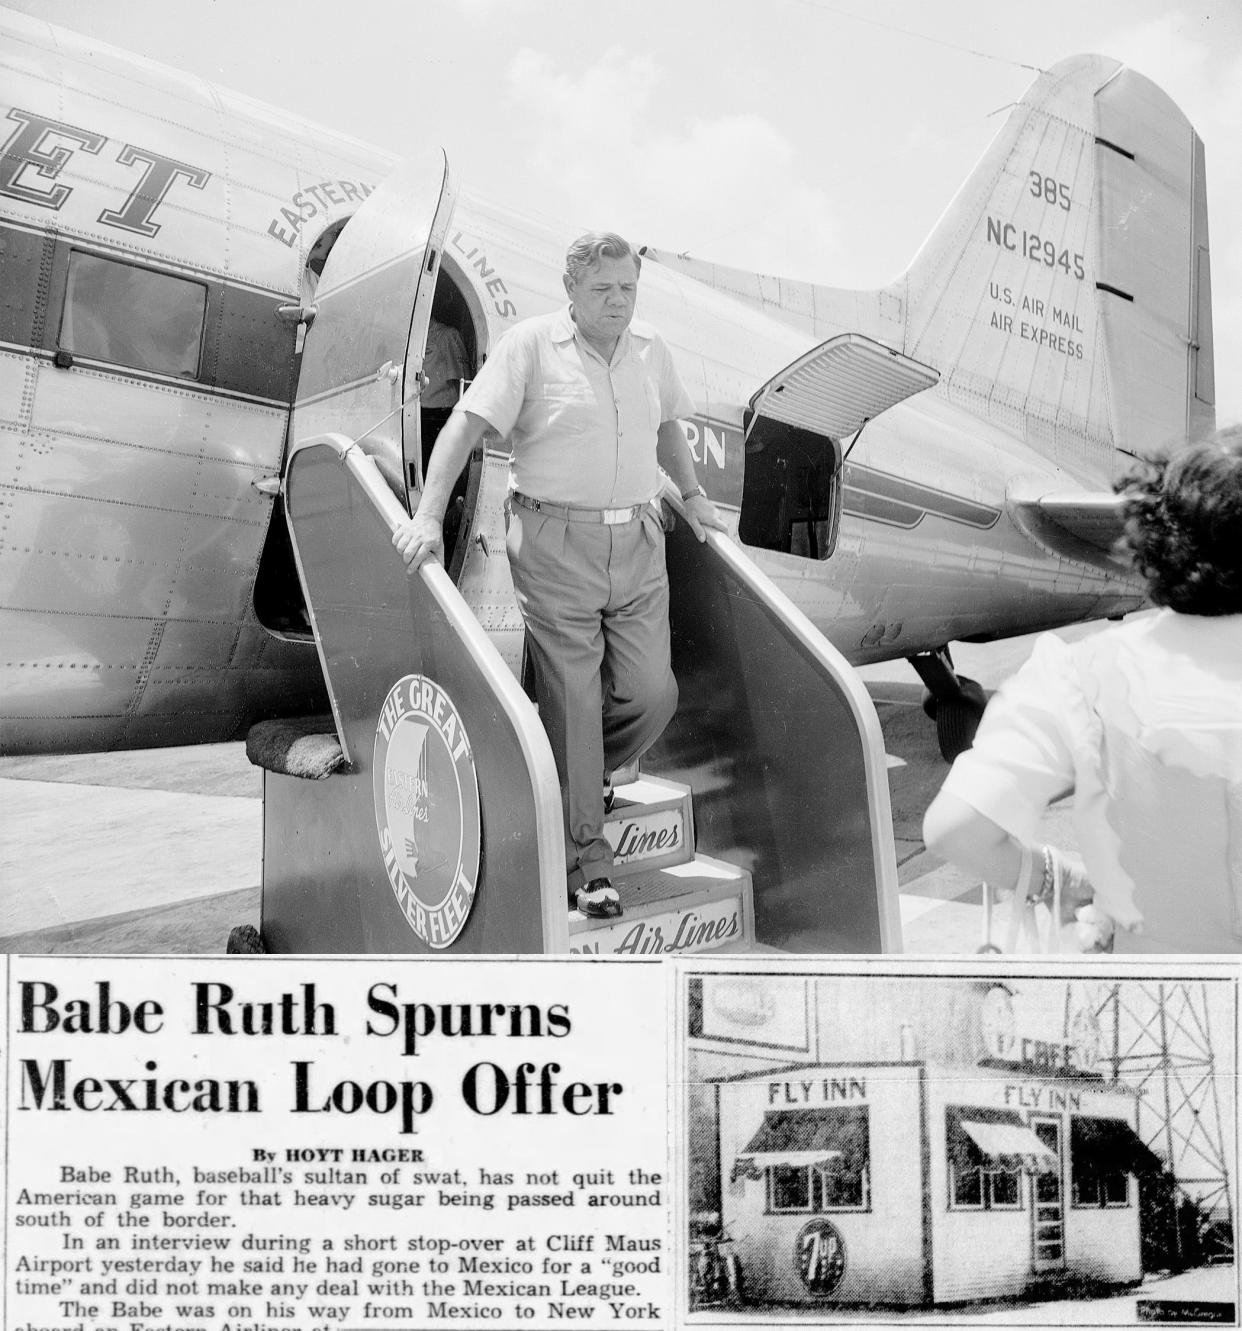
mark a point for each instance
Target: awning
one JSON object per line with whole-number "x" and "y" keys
{"x": 1110, "y": 1144}
{"x": 751, "y": 1166}
{"x": 820, "y": 1159}
{"x": 836, "y": 387}
{"x": 822, "y": 1138}
{"x": 979, "y": 1136}
{"x": 1018, "y": 1148}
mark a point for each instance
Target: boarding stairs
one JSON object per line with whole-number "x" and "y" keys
{"x": 675, "y": 901}
{"x": 786, "y": 842}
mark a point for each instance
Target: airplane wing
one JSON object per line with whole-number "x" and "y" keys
{"x": 836, "y": 387}
{"x": 1081, "y": 525}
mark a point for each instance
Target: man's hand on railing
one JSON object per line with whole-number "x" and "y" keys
{"x": 701, "y": 514}
{"x": 419, "y": 539}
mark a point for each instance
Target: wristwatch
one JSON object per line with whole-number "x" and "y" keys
{"x": 691, "y": 492}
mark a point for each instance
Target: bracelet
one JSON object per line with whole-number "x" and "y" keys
{"x": 1043, "y": 893}
{"x": 694, "y": 490}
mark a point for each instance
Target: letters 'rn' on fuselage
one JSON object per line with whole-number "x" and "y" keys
{"x": 911, "y": 466}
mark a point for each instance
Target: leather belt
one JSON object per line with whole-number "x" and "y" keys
{"x": 611, "y": 517}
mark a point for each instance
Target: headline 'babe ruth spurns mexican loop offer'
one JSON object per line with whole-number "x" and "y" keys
{"x": 591, "y": 403}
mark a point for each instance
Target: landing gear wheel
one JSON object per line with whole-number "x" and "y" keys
{"x": 956, "y": 724}
{"x": 245, "y": 939}
{"x": 973, "y": 692}
{"x": 958, "y": 718}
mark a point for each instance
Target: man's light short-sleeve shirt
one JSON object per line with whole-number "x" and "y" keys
{"x": 582, "y": 432}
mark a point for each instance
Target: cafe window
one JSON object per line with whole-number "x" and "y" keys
{"x": 1095, "y": 1187}
{"x": 817, "y": 1188}
{"x": 966, "y": 1183}
{"x": 138, "y": 317}
{"x": 988, "y": 1151}
{"x": 979, "y": 1189}
{"x": 789, "y": 1188}
{"x": 811, "y": 1160}
{"x": 1104, "y": 1152}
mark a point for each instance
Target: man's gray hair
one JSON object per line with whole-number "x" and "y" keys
{"x": 588, "y": 250}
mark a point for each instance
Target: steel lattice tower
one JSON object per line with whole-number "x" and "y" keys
{"x": 1156, "y": 1036}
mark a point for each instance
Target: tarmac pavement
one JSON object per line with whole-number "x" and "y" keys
{"x": 158, "y": 851}
{"x": 148, "y": 851}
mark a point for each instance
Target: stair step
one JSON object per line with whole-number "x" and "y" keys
{"x": 704, "y": 905}
{"x": 651, "y": 826}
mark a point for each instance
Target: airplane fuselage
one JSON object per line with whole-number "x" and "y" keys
{"x": 145, "y": 595}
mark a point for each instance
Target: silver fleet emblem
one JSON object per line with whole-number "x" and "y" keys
{"x": 427, "y": 808}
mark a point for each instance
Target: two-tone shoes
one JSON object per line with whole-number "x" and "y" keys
{"x": 597, "y": 900}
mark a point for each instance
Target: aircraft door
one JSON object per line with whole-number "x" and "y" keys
{"x": 363, "y": 358}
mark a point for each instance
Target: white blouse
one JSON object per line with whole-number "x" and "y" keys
{"x": 1142, "y": 722}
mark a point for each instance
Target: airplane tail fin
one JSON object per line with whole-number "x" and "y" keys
{"x": 1067, "y": 285}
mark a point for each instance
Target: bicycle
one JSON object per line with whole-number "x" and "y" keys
{"x": 715, "y": 1269}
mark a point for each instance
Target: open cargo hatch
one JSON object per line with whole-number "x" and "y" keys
{"x": 840, "y": 385}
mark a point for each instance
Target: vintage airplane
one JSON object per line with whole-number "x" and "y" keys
{"x": 198, "y": 290}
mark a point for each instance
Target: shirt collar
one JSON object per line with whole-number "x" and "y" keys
{"x": 564, "y": 330}
{"x": 563, "y": 326}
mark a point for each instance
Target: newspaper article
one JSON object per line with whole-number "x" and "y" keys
{"x": 310, "y": 1143}
{"x": 237, "y": 1144}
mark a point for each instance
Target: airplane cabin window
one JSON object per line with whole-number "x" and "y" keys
{"x": 126, "y": 315}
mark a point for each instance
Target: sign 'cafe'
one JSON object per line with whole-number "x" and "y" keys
{"x": 914, "y": 1183}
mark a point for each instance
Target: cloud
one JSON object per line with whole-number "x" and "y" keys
{"x": 612, "y": 148}
{"x": 492, "y": 9}
{"x": 606, "y": 96}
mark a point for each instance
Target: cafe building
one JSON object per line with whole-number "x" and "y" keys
{"x": 917, "y": 1181}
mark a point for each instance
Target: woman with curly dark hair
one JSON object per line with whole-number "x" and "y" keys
{"x": 1142, "y": 722}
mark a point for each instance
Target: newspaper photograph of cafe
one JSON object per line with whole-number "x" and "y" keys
{"x": 904, "y": 1142}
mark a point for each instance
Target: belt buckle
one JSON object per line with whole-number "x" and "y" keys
{"x": 615, "y": 516}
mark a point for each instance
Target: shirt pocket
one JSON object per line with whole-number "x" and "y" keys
{"x": 568, "y": 407}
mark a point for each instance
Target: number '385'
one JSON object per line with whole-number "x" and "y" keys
{"x": 1051, "y": 191}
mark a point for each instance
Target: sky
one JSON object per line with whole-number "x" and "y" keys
{"x": 807, "y": 138}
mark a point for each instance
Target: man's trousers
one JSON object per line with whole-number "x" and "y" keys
{"x": 595, "y": 601}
